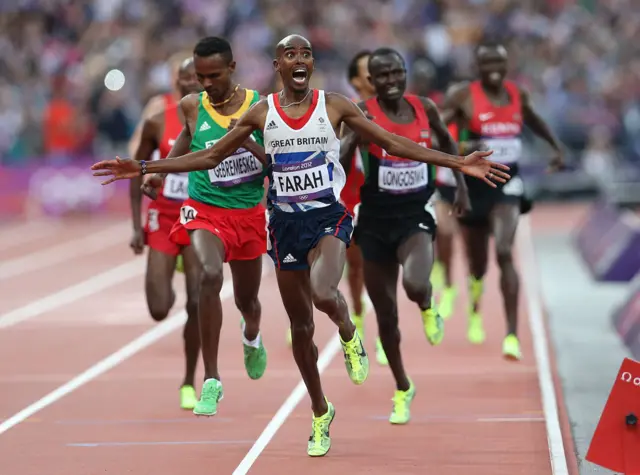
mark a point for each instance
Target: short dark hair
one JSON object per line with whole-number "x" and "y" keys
{"x": 352, "y": 70}
{"x": 385, "y": 52}
{"x": 213, "y": 45}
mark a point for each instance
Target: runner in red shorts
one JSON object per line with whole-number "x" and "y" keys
{"x": 223, "y": 217}
{"x": 158, "y": 132}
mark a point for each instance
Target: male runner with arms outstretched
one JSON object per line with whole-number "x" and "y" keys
{"x": 309, "y": 229}
{"x": 491, "y": 112}
{"x": 159, "y": 132}
{"x": 223, "y": 215}
{"x": 396, "y": 223}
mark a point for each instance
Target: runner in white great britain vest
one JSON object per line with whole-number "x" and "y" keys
{"x": 304, "y": 154}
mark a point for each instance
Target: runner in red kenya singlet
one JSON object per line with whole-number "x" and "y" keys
{"x": 159, "y": 132}
{"x": 490, "y": 113}
{"x": 395, "y": 224}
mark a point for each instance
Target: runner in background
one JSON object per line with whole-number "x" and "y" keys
{"x": 159, "y": 132}
{"x": 491, "y": 113}
{"x": 157, "y": 104}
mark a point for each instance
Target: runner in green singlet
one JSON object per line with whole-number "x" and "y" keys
{"x": 223, "y": 215}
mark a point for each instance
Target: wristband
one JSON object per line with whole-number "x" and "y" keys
{"x": 143, "y": 167}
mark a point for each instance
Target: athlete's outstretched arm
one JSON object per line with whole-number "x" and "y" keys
{"x": 473, "y": 165}
{"x": 539, "y": 127}
{"x": 120, "y": 169}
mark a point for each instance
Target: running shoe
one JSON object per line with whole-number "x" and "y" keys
{"x": 320, "y": 441}
{"x": 433, "y": 326}
{"x": 188, "y": 397}
{"x": 355, "y": 359}
{"x": 210, "y": 396}
{"x": 511, "y": 348}
{"x": 447, "y": 302}
{"x": 255, "y": 360}
{"x": 381, "y": 356}
{"x": 475, "y": 328}
{"x": 401, "y": 412}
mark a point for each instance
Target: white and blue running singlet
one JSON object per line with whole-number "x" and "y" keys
{"x": 305, "y": 157}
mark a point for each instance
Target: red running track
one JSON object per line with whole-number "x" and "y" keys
{"x": 117, "y": 411}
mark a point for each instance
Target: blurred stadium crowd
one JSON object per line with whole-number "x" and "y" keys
{"x": 579, "y": 59}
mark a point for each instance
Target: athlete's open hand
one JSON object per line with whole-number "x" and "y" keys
{"x": 477, "y": 166}
{"x": 151, "y": 184}
{"x": 118, "y": 169}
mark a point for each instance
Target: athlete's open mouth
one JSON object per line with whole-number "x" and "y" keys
{"x": 393, "y": 90}
{"x": 300, "y": 75}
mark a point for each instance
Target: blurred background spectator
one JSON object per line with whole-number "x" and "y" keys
{"x": 580, "y": 60}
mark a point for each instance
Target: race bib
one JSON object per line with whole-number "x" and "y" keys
{"x": 399, "y": 177}
{"x": 187, "y": 214}
{"x": 505, "y": 150}
{"x": 304, "y": 181}
{"x": 176, "y": 186}
{"x": 241, "y": 167}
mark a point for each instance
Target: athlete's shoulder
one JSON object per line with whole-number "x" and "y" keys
{"x": 154, "y": 106}
{"x": 339, "y": 101}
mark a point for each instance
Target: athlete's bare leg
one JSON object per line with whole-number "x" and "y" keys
{"x": 191, "y": 332}
{"x": 210, "y": 252}
{"x": 247, "y": 276}
{"x": 381, "y": 279}
{"x": 159, "y": 284}
{"x": 445, "y": 236}
{"x": 476, "y": 242}
{"x": 355, "y": 278}
{"x": 505, "y": 223}
{"x": 301, "y": 291}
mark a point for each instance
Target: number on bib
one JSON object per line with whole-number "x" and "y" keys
{"x": 153, "y": 223}
{"x": 187, "y": 214}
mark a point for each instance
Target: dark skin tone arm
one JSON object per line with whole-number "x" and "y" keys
{"x": 340, "y": 109}
{"x": 149, "y": 133}
{"x": 539, "y": 127}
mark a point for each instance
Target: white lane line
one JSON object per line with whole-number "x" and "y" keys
{"x": 75, "y": 292}
{"x": 65, "y": 251}
{"x": 145, "y": 340}
{"x": 531, "y": 278}
{"x": 329, "y": 352}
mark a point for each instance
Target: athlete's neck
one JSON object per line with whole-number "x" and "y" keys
{"x": 228, "y": 94}
{"x": 288, "y": 96}
{"x": 391, "y": 106}
{"x": 494, "y": 90}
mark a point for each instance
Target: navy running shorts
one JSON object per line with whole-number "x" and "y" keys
{"x": 292, "y": 235}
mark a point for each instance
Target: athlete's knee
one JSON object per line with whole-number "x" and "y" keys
{"x": 159, "y": 311}
{"x": 248, "y": 306}
{"x": 324, "y": 296}
{"x": 160, "y": 304}
{"x": 418, "y": 290}
{"x": 211, "y": 278}
{"x": 504, "y": 255}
